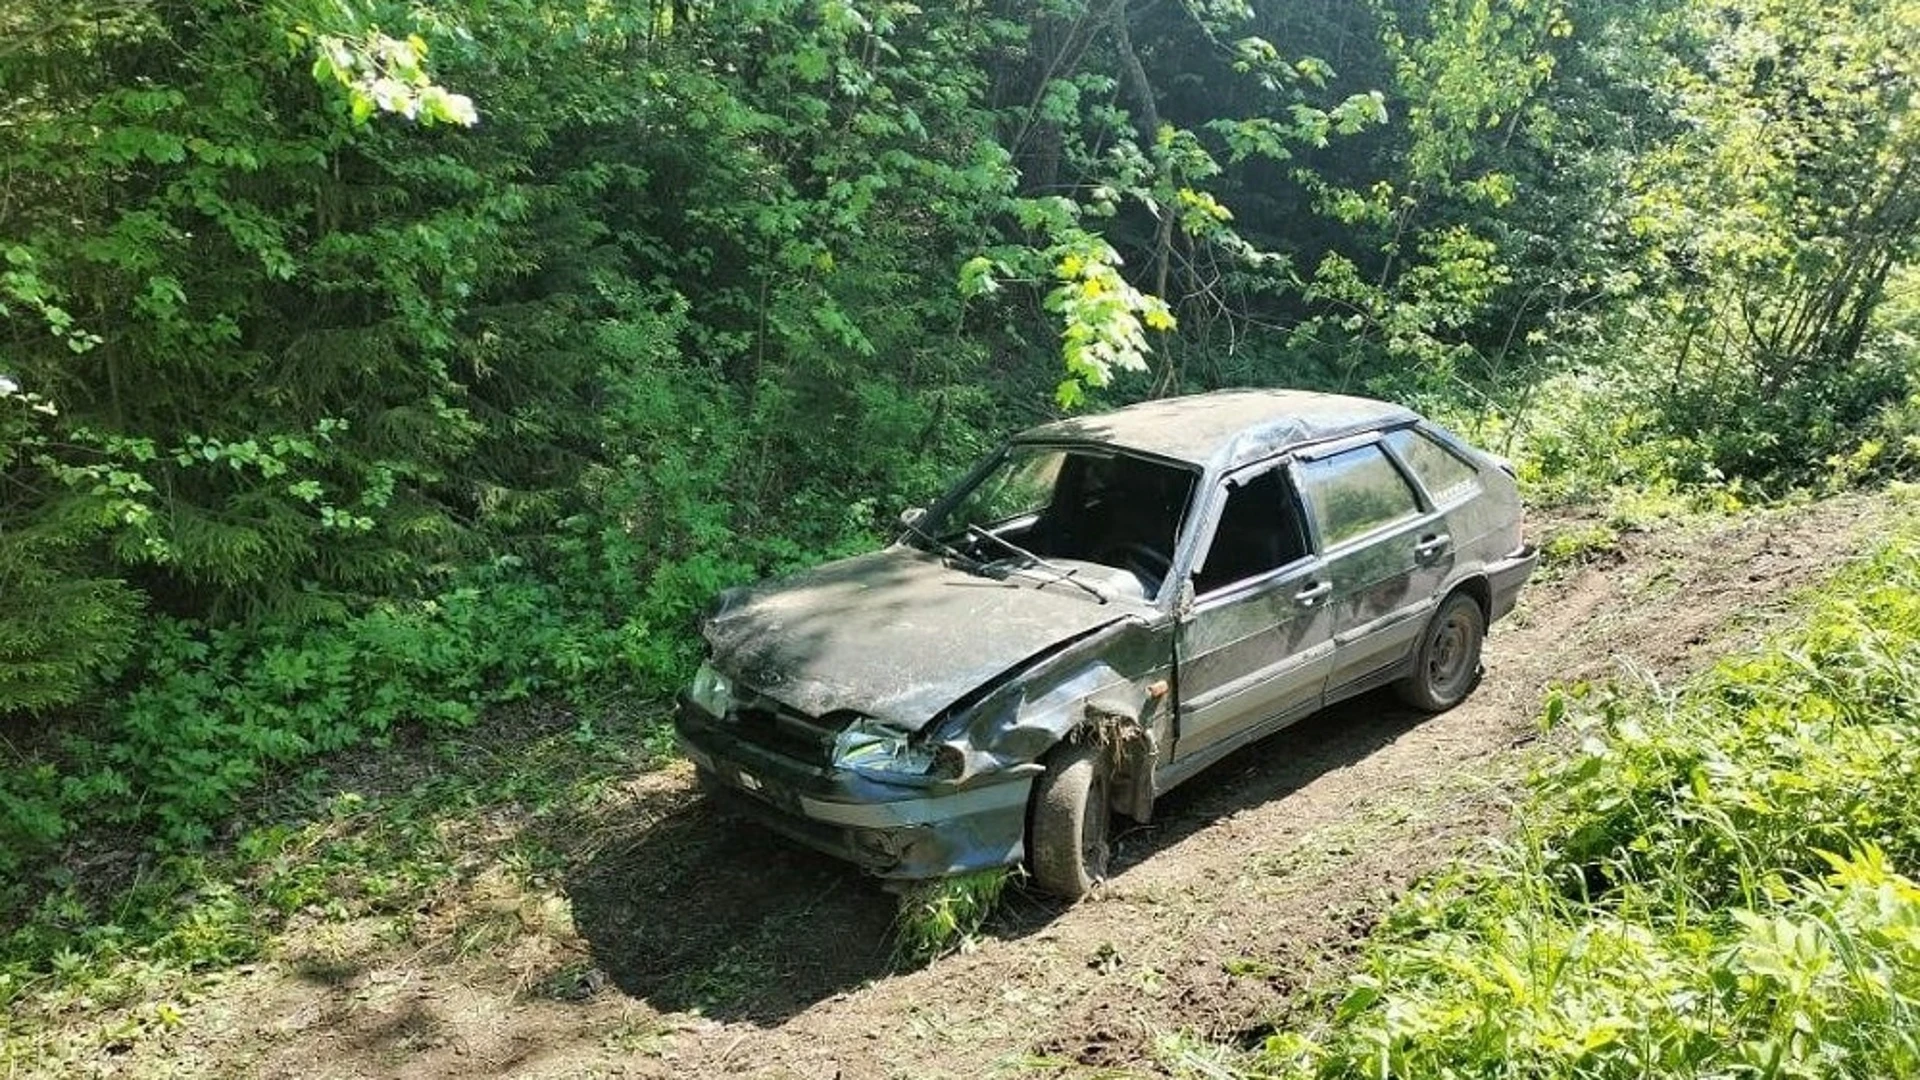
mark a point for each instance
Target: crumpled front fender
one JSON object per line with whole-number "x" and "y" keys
{"x": 1115, "y": 687}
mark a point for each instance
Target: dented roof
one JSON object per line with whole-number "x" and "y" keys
{"x": 1226, "y": 428}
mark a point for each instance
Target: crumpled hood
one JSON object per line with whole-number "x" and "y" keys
{"x": 895, "y": 635}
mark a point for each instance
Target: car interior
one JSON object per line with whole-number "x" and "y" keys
{"x": 1260, "y": 530}
{"x": 1127, "y": 512}
{"x": 1115, "y": 510}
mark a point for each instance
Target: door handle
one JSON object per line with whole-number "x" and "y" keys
{"x": 1312, "y": 594}
{"x": 1431, "y": 546}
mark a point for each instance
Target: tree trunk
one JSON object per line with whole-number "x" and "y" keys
{"x": 1134, "y": 75}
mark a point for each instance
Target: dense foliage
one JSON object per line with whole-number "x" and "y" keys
{"x": 1718, "y": 883}
{"x": 364, "y": 365}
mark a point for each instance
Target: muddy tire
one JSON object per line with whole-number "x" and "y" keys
{"x": 1068, "y": 835}
{"x": 1446, "y": 667}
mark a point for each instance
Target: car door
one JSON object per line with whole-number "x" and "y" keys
{"x": 1386, "y": 555}
{"x": 1254, "y": 645}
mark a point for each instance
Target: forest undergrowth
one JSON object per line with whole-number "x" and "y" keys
{"x": 373, "y": 375}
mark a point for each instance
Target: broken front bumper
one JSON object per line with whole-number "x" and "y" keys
{"x": 889, "y": 830}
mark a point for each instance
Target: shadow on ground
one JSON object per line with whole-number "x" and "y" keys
{"x": 703, "y": 911}
{"x": 1273, "y": 768}
{"x": 707, "y": 912}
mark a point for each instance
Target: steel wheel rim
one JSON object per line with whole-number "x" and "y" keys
{"x": 1450, "y": 654}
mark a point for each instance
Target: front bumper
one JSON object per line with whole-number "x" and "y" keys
{"x": 890, "y": 830}
{"x": 1505, "y": 578}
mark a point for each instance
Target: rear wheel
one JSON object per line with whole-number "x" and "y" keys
{"x": 1068, "y": 853}
{"x": 1447, "y": 666}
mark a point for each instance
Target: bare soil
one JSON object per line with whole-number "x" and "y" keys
{"x": 682, "y": 944}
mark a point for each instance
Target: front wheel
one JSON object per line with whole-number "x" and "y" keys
{"x": 1446, "y": 667}
{"x": 1068, "y": 852}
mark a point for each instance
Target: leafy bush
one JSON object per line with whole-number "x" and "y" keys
{"x": 1721, "y": 882}
{"x": 1889, "y": 447}
{"x": 316, "y": 423}
{"x": 1579, "y": 544}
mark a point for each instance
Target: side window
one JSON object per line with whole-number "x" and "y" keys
{"x": 1259, "y": 531}
{"x": 1440, "y": 470}
{"x": 1355, "y": 492}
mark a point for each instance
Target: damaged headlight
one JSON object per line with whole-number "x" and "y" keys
{"x": 870, "y": 746}
{"x": 711, "y": 691}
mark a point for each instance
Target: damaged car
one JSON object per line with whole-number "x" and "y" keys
{"x": 1101, "y": 609}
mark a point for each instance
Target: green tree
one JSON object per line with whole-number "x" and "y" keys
{"x": 1775, "y": 217}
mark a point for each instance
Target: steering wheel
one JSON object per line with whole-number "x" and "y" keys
{"x": 1141, "y": 559}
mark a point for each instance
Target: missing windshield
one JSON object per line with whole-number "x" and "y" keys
{"x": 1059, "y": 506}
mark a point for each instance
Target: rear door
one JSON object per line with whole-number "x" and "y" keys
{"x": 1255, "y": 644}
{"x": 1386, "y": 551}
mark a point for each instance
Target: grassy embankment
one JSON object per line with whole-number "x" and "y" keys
{"x": 1717, "y": 881}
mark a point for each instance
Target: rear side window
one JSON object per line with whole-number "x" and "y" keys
{"x": 1445, "y": 476}
{"x": 1356, "y": 492}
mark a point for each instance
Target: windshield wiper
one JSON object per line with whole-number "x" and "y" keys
{"x": 1060, "y": 573}
{"x": 952, "y": 553}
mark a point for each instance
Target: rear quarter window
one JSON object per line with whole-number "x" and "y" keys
{"x": 1356, "y": 492}
{"x": 1444, "y": 474}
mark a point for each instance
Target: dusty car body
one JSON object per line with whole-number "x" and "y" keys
{"x": 1101, "y": 609}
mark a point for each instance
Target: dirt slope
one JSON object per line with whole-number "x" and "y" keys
{"x": 690, "y": 946}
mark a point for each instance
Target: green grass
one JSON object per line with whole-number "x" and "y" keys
{"x": 1715, "y": 882}
{"x": 449, "y": 846}
{"x": 942, "y": 916}
{"x": 1579, "y": 544}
